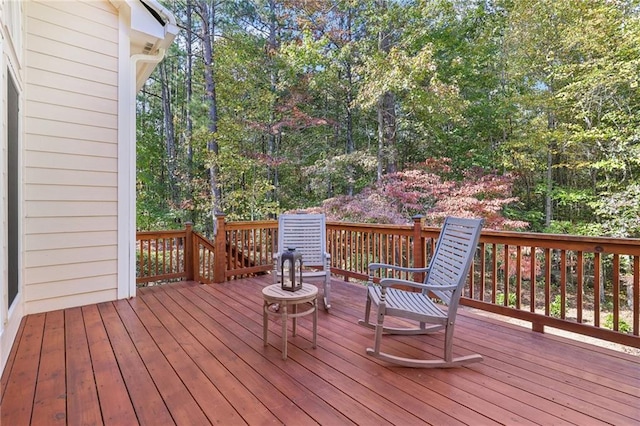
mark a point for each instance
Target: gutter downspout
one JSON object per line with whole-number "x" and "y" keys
{"x": 143, "y": 57}
{"x": 131, "y": 169}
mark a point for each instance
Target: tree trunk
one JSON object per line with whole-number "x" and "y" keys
{"x": 189, "y": 119}
{"x": 548, "y": 210}
{"x": 548, "y": 201}
{"x": 207, "y": 13}
{"x": 169, "y": 134}
{"x": 350, "y": 142}
{"x": 387, "y": 157}
{"x": 272, "y": 147}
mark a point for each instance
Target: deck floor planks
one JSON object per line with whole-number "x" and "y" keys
{"x": 207, "y": 397}
{"x": 461, "y": 379}
{"x": 526, "y": 390}
{"x": 604, "y": 408}
{"x": 210, "y": 338}
{"x": 530, "y": 386}
{"x": 4, "y": 378}
{"x": 555, "y": 360}
{"x": 560, "y": 385}
{"x": 18, "y": 396}
{"x": 523, "y": 355}
{"x": 145, "y": 397}
{"x": 301, "y": 351}
{"x": 271, "y": 369}
{"x": 385, "y": 388}
{"x": 175, "y": 394}
{"x": 582, "y": 377}
{"x": 82, "y": 395}
{"x": 282, "y": 395}
{"x": 49, "y": 406}
{"x": 193, "y": 340}
{"x": 444, "y": 392}
{"x": 115, "y": 402}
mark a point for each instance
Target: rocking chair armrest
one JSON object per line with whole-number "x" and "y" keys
{"x": 390, "y": 282}
{"x": 439, "y": 287}
{"x": 376, "y": 266}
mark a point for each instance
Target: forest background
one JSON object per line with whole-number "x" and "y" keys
{"x": 520, "y": 111}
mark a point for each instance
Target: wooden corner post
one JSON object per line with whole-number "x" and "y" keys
{"x": 220, "y": 256}
{"x": 418, "y": 246}
{"x": 189, "y": 259}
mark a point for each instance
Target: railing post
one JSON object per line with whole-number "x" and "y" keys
{"x": 189, "y": 259}
{"x": 220, "y": 256}
{"x": 418, "y": 246}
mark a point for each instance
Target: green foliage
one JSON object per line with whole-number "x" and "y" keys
{"x": 555, "y": 309}
{"x": 619, "y": 212}
{"x": 534, "y": 103}
{"x": 623, "y": 326}
{"x": 573, "y": 228}
{"x": 500, "y": 299}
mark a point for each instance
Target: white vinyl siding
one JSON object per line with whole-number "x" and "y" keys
{"x": 71, "y": 163}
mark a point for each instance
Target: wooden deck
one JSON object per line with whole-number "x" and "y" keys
{"x": 192, "y": 354}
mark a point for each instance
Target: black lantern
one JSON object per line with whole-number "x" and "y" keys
{"x": 291, "y": 270}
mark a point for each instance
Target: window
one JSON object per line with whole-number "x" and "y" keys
{"x": 13, "y": 220}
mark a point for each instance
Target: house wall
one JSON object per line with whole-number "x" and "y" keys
{"x": 70, "y": 154}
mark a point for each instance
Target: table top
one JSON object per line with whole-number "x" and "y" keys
{"x": 275, "y": 292}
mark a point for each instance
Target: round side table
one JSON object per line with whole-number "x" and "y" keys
{"x": 274, "y": 294}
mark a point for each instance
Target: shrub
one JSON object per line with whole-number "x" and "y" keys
{"x": 500, "y": 299}
{"x": 623, "y": 327}
{"x": 556, "y": 307}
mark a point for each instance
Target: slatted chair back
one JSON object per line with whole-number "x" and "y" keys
{"x": 307, "y": 234}
{"x": 452, "y": 258}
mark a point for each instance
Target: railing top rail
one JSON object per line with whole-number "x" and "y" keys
{"x": 256, "y": 224}
{"x": 627, "y": 246}
{"x": 204, "y": 241}
{"x": 561, "y": 237}
{"x": 557, "y": 241}
{"x": 369, "y": 226}
{"x": 160, "y": 234}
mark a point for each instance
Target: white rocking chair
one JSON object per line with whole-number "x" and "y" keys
{"x": 445, "y": 279}
{"x": 306, "y": 233}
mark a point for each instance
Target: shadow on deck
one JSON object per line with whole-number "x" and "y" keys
{"x": 192, "y": 354}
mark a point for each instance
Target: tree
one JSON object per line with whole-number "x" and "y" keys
{"x": 267, "y": 105}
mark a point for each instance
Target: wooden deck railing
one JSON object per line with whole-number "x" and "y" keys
{"x": 586, "y": 285}
{"x": 162, "y": 255}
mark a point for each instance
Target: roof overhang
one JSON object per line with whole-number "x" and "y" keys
{"x": 153, "y": 29}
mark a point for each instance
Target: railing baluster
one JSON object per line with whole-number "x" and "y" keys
{"x": 579, "y": 285}
{"x": 635, "y": 308}
{"x": 506, "y": 275}
{"x": 616, "y": 291}
{"x": 533, "y": 283}
{"x": 518, "y": 277}
{"x": 547, "y": 281}
{"x": 494, "y": 269}
{"x": 483, "y": 270}
{"x": 563, "y": 284}
{"x": 596, "y": 289}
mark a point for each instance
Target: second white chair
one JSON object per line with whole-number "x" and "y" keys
{"x": 308, "y": 235}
